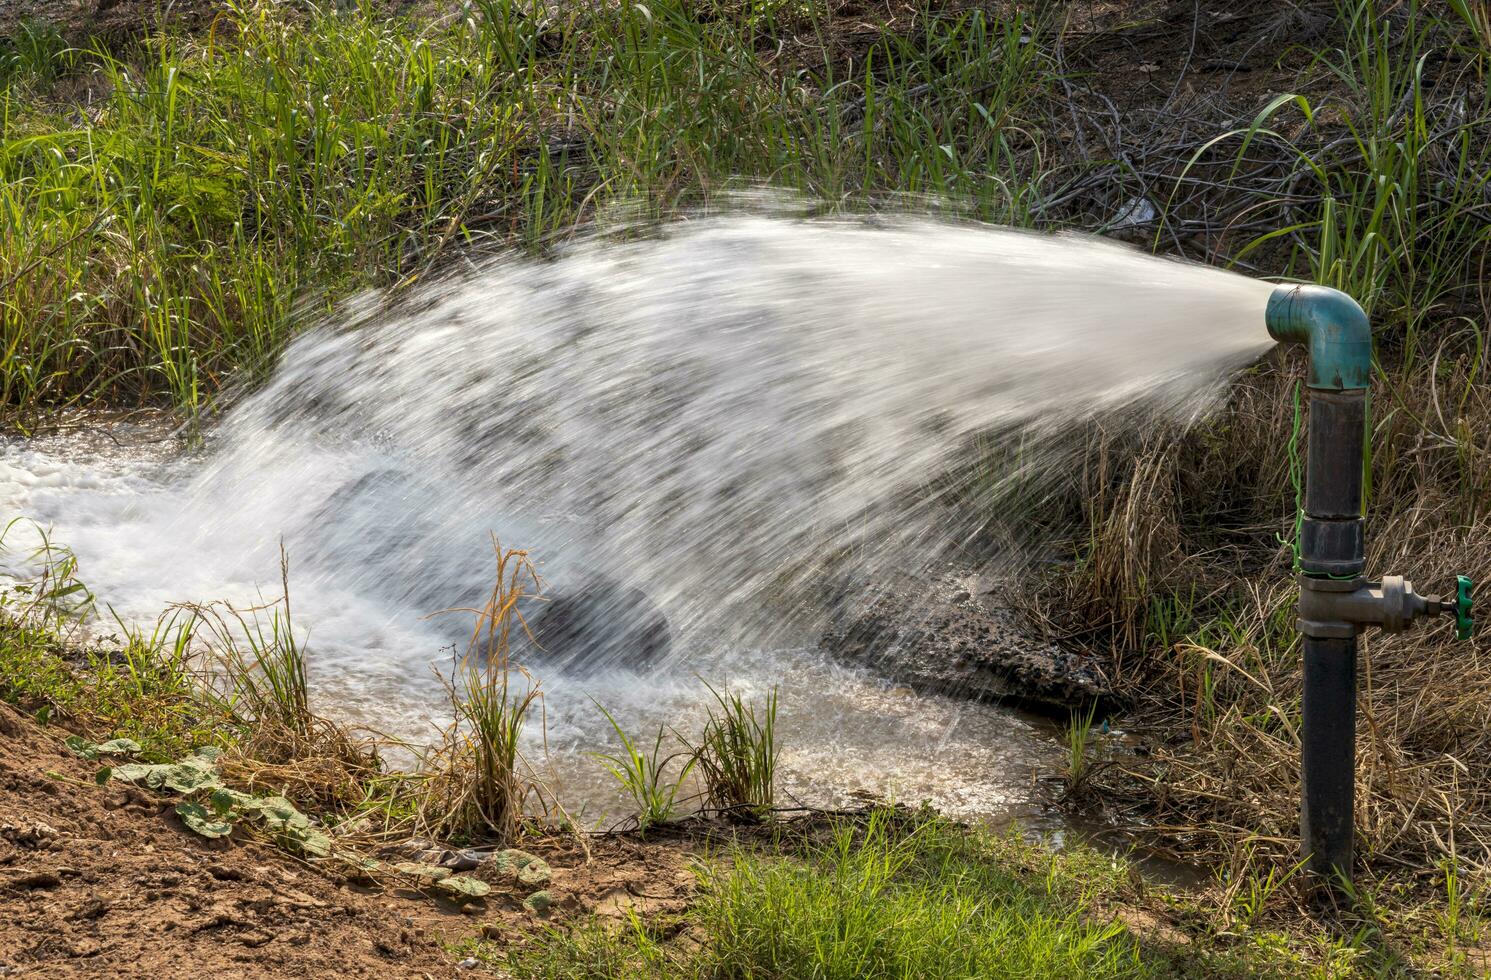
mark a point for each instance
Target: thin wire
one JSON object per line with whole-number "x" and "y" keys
{"x": 1299, "y": 491}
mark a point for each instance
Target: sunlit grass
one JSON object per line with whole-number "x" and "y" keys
{"x": 218, "y": 190}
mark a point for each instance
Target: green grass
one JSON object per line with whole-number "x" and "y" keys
{"x": 136, "y": 684}
{"x": 222, "y": 188}
{"x": 737, "y": 754}
{"x": 897, "y": 895}
{"x": 1391, "y": 170}
{"x": 643, "y": 775}
{"x": 890, "y": 897}
{"x": 882, "y": 902}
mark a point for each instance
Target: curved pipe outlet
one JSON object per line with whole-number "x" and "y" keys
{"x": 1334, "y": 328}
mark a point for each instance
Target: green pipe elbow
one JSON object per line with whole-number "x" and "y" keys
{"x": 1334, "y": 328}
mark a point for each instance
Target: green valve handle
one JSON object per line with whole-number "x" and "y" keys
{"x": 1462, "y": 607}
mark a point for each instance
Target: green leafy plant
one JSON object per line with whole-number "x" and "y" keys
{"x": 212, "y": 809}
{"x": 643, "y": 775}
{"x": 83, "y": 748}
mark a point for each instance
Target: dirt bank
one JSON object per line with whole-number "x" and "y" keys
{"x": 104, "y": 881}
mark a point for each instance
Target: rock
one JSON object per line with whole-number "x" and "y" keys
{"x": 527, "y": 870}
{"x": 597, "y": 624}
{"x": 467, "y": 859}
{"x": 947, "y": 633}
{"x": 469, "y": 963}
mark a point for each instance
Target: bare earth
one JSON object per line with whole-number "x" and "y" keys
{"x": 104, "y": 881}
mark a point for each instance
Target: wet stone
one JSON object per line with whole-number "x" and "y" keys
{"x": 948, "y": 632}
{"x": 466, "y": 859}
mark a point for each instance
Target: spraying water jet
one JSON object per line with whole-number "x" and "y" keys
{"x": 1336, "y": 602}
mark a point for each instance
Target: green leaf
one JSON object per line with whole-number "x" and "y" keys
{"x": 188, "y": 776}
{"x": 102, "y": 776}
{"x": 199, "y": 819}
{"x": 312, "y": 843}
{"x": 88, "y": 750}
{"x": 133, "y": 772}
{"x": 429, "y": 872}
{"x": 44, "y": 715}
{"x": 225, "y": 800}
{"x": 278, "y": 813}
{"x": 462, "y": 885}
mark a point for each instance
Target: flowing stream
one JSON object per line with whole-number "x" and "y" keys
{"x": 731, "y": 417}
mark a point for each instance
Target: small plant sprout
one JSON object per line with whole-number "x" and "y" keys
{"x": 643, "y": 775}
{"x": 1078, "y": 735}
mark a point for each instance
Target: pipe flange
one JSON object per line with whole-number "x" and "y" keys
{"x": 1327, "y": 630}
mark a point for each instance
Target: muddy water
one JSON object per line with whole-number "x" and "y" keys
{"x": 725, "y": 417}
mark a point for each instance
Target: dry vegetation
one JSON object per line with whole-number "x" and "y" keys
{"x": 1183, "y": 568}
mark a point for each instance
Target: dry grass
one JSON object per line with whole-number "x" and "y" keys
{"x": 474, "y": 788}
{"x": 1187, "y": 584}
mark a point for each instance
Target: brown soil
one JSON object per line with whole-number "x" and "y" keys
{"x": 104, "y": 881}
{"x": 105, "y": 19}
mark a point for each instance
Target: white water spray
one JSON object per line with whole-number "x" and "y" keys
{"x": 718, "y": 416}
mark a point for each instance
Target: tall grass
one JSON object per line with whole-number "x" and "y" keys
{"x": 475, "y": 790}
{"x": 263, "y": 668}
{"x": 737, "y": 754}
{"x": 254, "y": 671}
{"x": 162, "y": 242}
{"x": 1377, "y": 166}
{"x": 1387, "y": 194}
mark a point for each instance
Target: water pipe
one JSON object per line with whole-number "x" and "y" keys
{"x": 1336, "y": 602}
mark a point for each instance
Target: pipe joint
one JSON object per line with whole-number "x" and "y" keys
{"x": 1332, "y": 326}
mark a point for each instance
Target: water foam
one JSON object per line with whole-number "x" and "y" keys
{"x": 722, "y": 414}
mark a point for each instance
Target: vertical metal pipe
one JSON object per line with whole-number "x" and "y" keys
{"x": 1331, "y": 548}
{"x": 1328, "y": 756}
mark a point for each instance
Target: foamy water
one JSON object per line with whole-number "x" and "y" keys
{"x": 727, "y": 417}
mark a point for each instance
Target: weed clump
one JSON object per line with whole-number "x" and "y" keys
{"x": 737, "y": 754}
{"x": 473, "y": 789}
{"x": 644, "y": 775}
